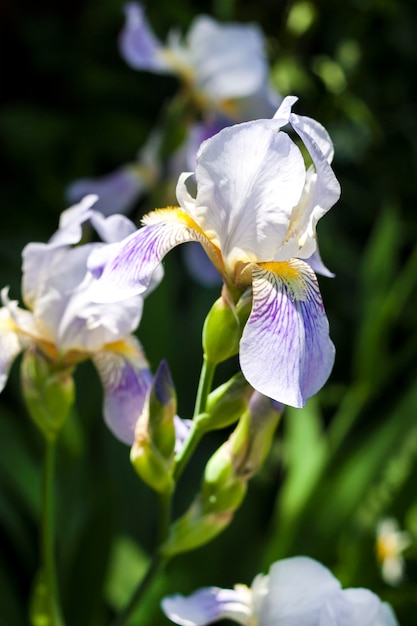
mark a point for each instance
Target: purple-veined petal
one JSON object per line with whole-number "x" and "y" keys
{"x": 10, "y": 344}
{"x": 249, "y": 177}
{"x": 208, "y": 605}
{"x": 285, "y": 351}
{"x": 126, "y": 379}
{"x": 129, "y": 271}
{"x": 229, "y": 59}
{"x": 138, "y": 45}
{"x": 117, "y": 192}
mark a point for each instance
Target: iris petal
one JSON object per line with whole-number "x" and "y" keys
{"x": 126, "y": 379}
{"x": 130, "y": 268}
{"x": 208, "y": 605}
{"x": 10, "y": 345}
{"x": 285, "y": 351}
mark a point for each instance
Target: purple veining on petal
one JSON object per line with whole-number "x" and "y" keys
{"x": 126, "y": 384}
{"x": 207, "y": 605}
{"x": 129, "y": 271}
{"x": 285, "y": 351}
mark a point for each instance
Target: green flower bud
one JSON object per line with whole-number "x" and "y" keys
{"x": 48, "y": 391}
{"x": 152, "y": 453}
{"x": 225, "y": 404}
{"x": 221, "y": 332}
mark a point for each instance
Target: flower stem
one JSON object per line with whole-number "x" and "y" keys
{"x": 45, "y": 606}
{"x": 155, "y": 567}
{"x": 204, "y": 386}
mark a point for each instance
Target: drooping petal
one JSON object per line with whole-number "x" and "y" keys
{"x": 208, "y": 605}
{"x": 126, "y": 379}
{"x": 10, "y": 344}
{"x": 285, "y": 351}
{"x": 117, "y": 192}
{"x": 138, "y": 45}
{"x": 229, "y": 59}
{"x": 249, "y": 178}
{"x": 129, "y": 270}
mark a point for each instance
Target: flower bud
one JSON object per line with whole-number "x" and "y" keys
{"x": 221, "y": 332}
{"x": 226, "y": 477}
{"x": 48, "y": 391}
{"x": 152, "y": 452}
{"x": 225, "y": 404}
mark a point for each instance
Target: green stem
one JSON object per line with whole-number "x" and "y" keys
{"x": 45, "y": 607}
{"x": 155, "y": 567}
{"x": 204, "y": 386}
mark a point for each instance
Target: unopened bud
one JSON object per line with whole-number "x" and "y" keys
{"x": 225, "y": 404}
{"x": 48, "y": 391}
{"x": 152, "y": 453}
{"x": 221, "y": 332}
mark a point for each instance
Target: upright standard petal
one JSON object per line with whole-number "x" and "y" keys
{"x": 249, "y": 178}
{"x": 126, "y": 379}
{"x": 285, "y": 351}
{"x": 229, "y": 59}
{"x": 138, "y": 45}
{"x": 208, "y": 605}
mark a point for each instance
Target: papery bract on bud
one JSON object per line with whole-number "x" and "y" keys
{"x": 255, "y": 214}
{"x": 297, "y": 591}
{"x": 66, "y": 326}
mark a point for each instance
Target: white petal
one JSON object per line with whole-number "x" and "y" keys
{"x": 298, "y": 587}
{"x": 10, "y": 345}
{"x": 249, "y": 177}
{"x": 228, "y": 59}
{"x": 285, "y": 350}
{"x": 368, "y": 610}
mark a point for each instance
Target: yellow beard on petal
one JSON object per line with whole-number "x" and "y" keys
{"x": 290, "y": 272}
{"x": 178, "y": 215}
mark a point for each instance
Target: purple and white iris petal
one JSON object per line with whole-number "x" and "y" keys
{"x": 229, "y": 59}
{"x": 285, "y": 351}
{"x": 208, "y": 605}
{"x": 129, "y": 271}
{"x": 117, "y": 192}
{"x": 126, "y": 380}
{"x": 10, "y": 345}
{"x": 138, "y": 45}
{"x": 318, "y": 266}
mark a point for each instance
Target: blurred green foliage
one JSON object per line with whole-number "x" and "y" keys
{"x": 70, "y": 108}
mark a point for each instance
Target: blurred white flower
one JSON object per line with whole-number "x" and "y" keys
{"x": 390, "y": 545}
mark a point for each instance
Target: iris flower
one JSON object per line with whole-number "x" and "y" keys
{"x": 220, "y": 62}
{"x": 67, "y": 327}
{"x": 297, "y": 591}
{"x": 255, "y": 214}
